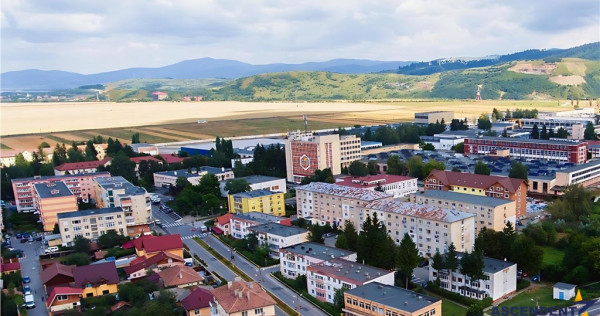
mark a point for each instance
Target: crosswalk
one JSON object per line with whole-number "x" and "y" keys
{"x": 173, "y": 224}
{"x": 192, "y": 236}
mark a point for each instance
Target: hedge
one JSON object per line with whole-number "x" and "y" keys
{"x": 486, "y": 302}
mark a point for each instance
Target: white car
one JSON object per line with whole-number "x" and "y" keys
{"x": 52, "y": 249}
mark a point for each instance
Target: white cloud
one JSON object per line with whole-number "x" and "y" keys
{"x": 93, "y": 36}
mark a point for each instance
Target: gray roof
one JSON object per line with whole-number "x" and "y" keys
{"x": 84, "y": 175}
{"x": 564, "y": 286}
{"x": 52, "y": 190}
{"x": 465, "y": 198}
{"x": 258, "y": 179}
{"x": 119, "y": 182}
{"x": 581, "y": 166}
{"x": 255, "y": 193}
{"x": 316, "y": 250}
{"x": 258, "y": 217}
{"x": 97, "y": 211}
{"x": 243, "y": 151}
{"x": 278, "y": 229}
{"x": 537, "y": 141}
{"x": 184, "y": 172}
{"x": 491, "y": 265}
{"x": 393, "y": 296}
{"x": 348, "y": 271}
{"x": 138, "y": 145}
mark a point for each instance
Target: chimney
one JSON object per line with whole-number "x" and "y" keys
{"x": 236, "y": 292}
{"x": 180, "y": 275}
{"x": 229, "y": 285}
{"x": 240, "y": 294}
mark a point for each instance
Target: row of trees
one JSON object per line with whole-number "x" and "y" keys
{"x": 404, "y": 133}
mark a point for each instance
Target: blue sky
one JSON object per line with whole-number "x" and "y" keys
{"x": 93, "y": 36}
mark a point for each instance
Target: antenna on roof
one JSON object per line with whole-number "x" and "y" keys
{"x": 305, "y": 123}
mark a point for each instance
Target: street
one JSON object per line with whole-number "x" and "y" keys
{"x": 30, "y": 266}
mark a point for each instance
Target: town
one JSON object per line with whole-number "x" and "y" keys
{"x": 442, "y": 215}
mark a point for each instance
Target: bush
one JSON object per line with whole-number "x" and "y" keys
{"x": 78, "y": 259}
{"x": 522, "y": 283}
{"x": 119, "y": 252}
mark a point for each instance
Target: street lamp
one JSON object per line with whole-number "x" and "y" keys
{"x": 537, "y": 304}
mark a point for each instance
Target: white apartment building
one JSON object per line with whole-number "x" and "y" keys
{"x": 350, "y": 149}
{"x": 293, "y": 260}
{"x": 169, "y": 178}
{"x": 91, "y": 224}
{"x": 325, "y": 278}
{"x": 240, "y": 222}
{"x": 118, "y": 192}
{"x": 276, "y": 236}
{"x": 500, "y": 280}
{"x": 396, "y": 186}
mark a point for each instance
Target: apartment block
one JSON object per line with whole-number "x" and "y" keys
{"x": 500, "y": 279}
{"x": 81, "y": 185}
{"x": 327, "y": 203}
{"x": 51, "y": 199}
{"x": 376, "y": 299}
{"x": 293, "y": 260}
{"x": 481, "y": 185}
{"x": 276, "y": 236}
{"x": 396, "y": 186}
{"x": 240, "y": 222}
{"x": 305, "y": 153}
{"x": 325, "y": 278}
{"x": 91, "y": 224}
{"x": 118, "y": 192}
{"x": 261, "y": 201}
{"x": 491, "y": 213}
{"x": 586, "y": 175}
{"x": 258, "y": 182}
{"x": 350, "y": 149}
{"x": 431, "y": 228}
{"x": 169, "y": 178}
{"x": 555, "y": 150}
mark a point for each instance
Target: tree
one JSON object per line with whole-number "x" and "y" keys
{"x": 526, "y": 254}
{"x": 372, "y": 167}
{"x": 589, "y": 133}
{"x": 458, "y": 125}
{"x": 236, "y": 186}
{"x": 459, "y": 148}
{"x": 575, "y": 203}
{"x": 507, "y": 114}
{"x": 483, "y": 122}
{"x": 324, "y": 175}
{"x": 504, "y": 133}
{"x": 367, "y": 135}
{"x": 451, "y": 261}
{"x": 316, "y": 232}
{"x": 374, "y": 246}
{"x": 535, "y": 132}
{"x": 415, "y": 167}
{"x": 431, "y": 165}
{"x": 475, "y": 310}
{"x": 209, "y": 184}
{"x": 518, "y": 170}
{"x": 77, "y": 258}
{"x": 358, "y": 169}
{"x": 81, "y": 244}
{"x": 428, "y": 146}
{"x": 74, "y": 154}
{"x": 338, "y": 298}
{"x": 120, "y": 165}
{"x": 438, "y": 264}
{"x": 496, "y": 114}
{"x": 210, "y": 202}
{"x": 56, "y": 229}
{"x": 240, "y": 170}
{"x": 562, "y": 133}
{"x": 551, "y": 133}
{"x": 90, "y": 151}
{"x": 59, "y": 156}
{"x": 111, "y": 239}
{"x": 482, "y": 168}
{"x": 407, "y": 257}
{"x": 348, "y": 238}
{"x": 396, "y": 166}
{"x": 471, "y": 265}
{"x": 132, "y": 293}
{"x": 135, "y": 138}
{"x": 544, "y": 133}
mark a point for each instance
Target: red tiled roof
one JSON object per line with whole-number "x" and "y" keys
{"x": 199, "y": 298}
{"x": 55, "y": 269}
{"x": 95, "y": 274}
{"x": 250, "y": 296}
{"x": 178, "y": 275}
{"x": 147, "y": 262}
{"x": 119, "y": 305}
{"x": 62, "y": 290}
{"x": 82, "y": 165}
{"x": 10, "y": 266}
{"x": 137, "y": 160}
{"x": 170, "y": 159}
{"x": 158, "y": 243}
{"x": 224, "y": 219}
{"x": 217, "y": 230}
{"x": 371, "y": 180}
{"x": 476, "y": 180}
{"x": 159, "y": 93}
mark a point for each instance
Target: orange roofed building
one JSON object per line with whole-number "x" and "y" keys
{"x": 242, "y": 298}
{"x": 64, "y": 298}
{"x": 482, "y": 185}
{"x": 179, "y": 276}
{"x": 149, "y": 245}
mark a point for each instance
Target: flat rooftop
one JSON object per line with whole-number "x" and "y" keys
{"x": 66, "y": 176}
{"x": 393, "y": 296}
{"x": 278, "y": 229}
{"x": 349, "y": 271}
{"x": 316, "y": 250}
{"x": 117, "y": 183}
{"x": 343, "y": 191}
{"x": 258, "y": 217}
{"x": 52, "y": 190}
{"x": 535, "y": 141}
{"x": 255, "y": 193}
{"x": 464, "y": 198}
{"x": 97, "y": 211}
{"x": 371, "y": 181}
{"x": 195, "y": 172}
{"x": 259, "y": 179}
{"x": 418, "y": 210}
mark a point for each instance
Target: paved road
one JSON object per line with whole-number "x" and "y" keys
{"x": 30, "y": 266}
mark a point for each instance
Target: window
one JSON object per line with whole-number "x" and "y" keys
{"x": 245, "y": 313}
{"x": 258, "y": 311}
{"x": 61, "y": 297}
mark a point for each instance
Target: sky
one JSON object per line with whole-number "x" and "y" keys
{"x": 101, "y": 35}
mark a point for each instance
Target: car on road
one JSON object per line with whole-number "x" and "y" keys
{"x": 26, "y": 290}
{"x": 26, "y": 279}
{"x": 23, "y": 240}
{"x": 18, "y": 235}
{"x": 29, "y": 302}
{"x": 161, "y": 225}
{"x": 26, "y": 235}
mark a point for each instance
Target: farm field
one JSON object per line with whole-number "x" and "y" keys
{"x": 25, "y": 125}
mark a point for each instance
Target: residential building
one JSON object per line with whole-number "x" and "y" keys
{"x": 222, "y": 225}
{"x": 563, "y": 291}
{"x": 10, "y": 267}
{"x": 169, "y": 178}
{"x": 179, "y": 276}
{"x": 555, "y": 150}
{"x": 500, "y": 280}
{"x": 91, "y": 224}
{"x": 197, "y": 303}
{"x": 262, "y": 201}
{"x": 305, "y": 153}
{"x": 396, "y": 186}
{"x": 376, "y": 299}
{"x": 145, "y": 148}
{"x": 350, "y": 149}
{"x": 426, "y": 118}
{"x": 148, "y": 159}
{"x": 556, "y": 122}
{"x": 258, "y": 182}
{"x": 7, "y": 158}
{"x": 243, "y": 156}
{"x": 430, "y": 227}
{"x": 171, "y": 159}
{"x": 158, "y": 95}
{"x": 83, "y": 167}
{"x": 149, "y": 245}
{"x": 239, "y": 298}
{"x": 482, "y": 185}
{"x": 118, "y": 192}
{"x": 100, "y": 150}
{"x": 82, "y": 186}
{"x": 293, "y": 260}
{"x": 53, "y": 198}
{"x": 325, "y": 278}
{"x": 326, "y": 203}
{"x": 56, "y": 275}
{"x": 139, "y": 267}
{"x": 491, "y": 213}
{"x": 64, "y": 298}
{"x": 240, "y": 222}
{"x": 276, "y": 236}
{"x": 96, "y": 279}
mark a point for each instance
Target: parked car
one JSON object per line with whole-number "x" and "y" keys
{"x": 31, "y": 239}
{"x": 52, "y": 249}
{"x": 26, "y": 279}
{"x": 18, "y": 235}
{"x": 26, "y": 290}
{"x": 23, "y": 240}
{"x": 29, "y": 302}
{"x": 26, "y": 235}
{"x": 39, "y": 238}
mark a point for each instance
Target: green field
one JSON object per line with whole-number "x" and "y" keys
{"x": 552, "y": 256}
{"x": 533, "y": 296}
{"x": 449, "y": 308}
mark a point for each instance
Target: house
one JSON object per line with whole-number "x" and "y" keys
{"x": 9, "y": 268}
{"x": 325, "y": 278}
{"x": 262, "y": 201}
{"x": 149, "y": 245}
{"x": 258, "y": 182}
{"x": 397, "y": 186}
{"x": 7, "y": 158}
{"x": 138, "y": 267}
{"x": 179, "y": 276}
{"x": 275, "y": 236}
{"x": 96, "y": 279}
{"x": 57, "y": 275}
{"x": 158, "y": 95}
{"x": 222, "y": 225}
{"x": 81, "y": 167}
{"x": 482, "y": 185}
{"x": 563, "y": 291}
{"x": 376, "y": 299}
{"x": 241, "y": 298}
{"x": 144, "y": 148}
{"x": 500, "y": 279}
{"x": 197, "y": 303}
{"x": 51, "y": 199}
{"x": 63, "y": 298}
{"x": 100, "y": 150}
{"x": 293, "y": 260}
{"x": 239, "y": 223}
{"x": 171, "y": 159}
{"x": 169, "y": 178}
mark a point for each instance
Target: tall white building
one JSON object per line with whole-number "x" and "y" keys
{"x": 118, "y": 192}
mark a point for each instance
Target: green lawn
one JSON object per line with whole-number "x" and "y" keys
{"x": 449, "y": 308}
{"x": 552, "y": 256}
{"x": 541, "y": 295}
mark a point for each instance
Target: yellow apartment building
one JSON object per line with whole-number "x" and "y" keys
{"x": 262, "y": 201}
